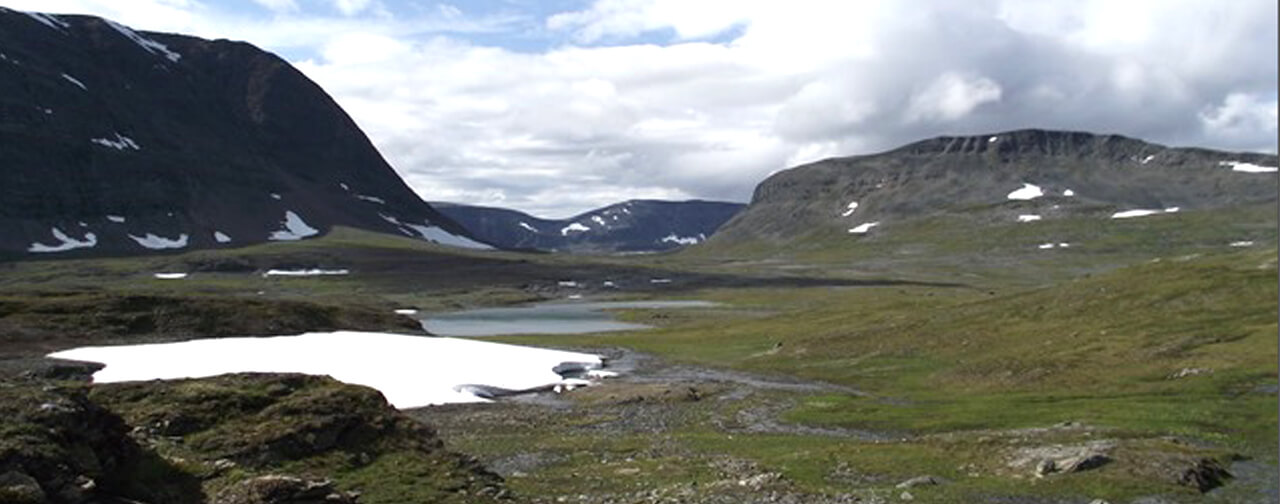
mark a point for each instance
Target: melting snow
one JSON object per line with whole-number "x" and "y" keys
{"x": 371, "y": 199}
{"x": 159, "y": 242}
{"x": 75, "y": 81}
{"x": 573, "y": 228}
{"x": 305, "y": 272}
{"x": 1248, "y": 167}
{"x": 170, "y": 276}
{"x": 120, "y": 143}
{"x": 294, "y": 229}
{"x": 116, "y": 219}
{"x": 410, "y": 371}
{"x": 1045, "y": 246}
{"x": 849, "y": 209}
{"x": 1244, "y": 243}
{"x": 48, "y": 20}
{"x": 275, "y": 196}
{"x": 864, "y": 228}
{"x": 526, "y": 225}
{"x": 406, "y": 311}
{"x": 992, "y": 139}
{"x": 1068, "y": 193}
{"x": 683, "y": 240}
{"x": 151, "y": 46}
{"x": 1027, "y": 192}
{"x": 1128, "y": 214}
{"x": 659, "y": 280}
{"x": 442, "y": 237}
{"x": 66, "y": 242}
{"x": 221, "y": 237}
{"x": 599, "y": 220}
{"x": 1028, "y": 218}
{"x": 1148, "y": 159}
{"x": 600, "y": 374}
{"x": 567, "y": 283}
{"x": 344, "y": 187}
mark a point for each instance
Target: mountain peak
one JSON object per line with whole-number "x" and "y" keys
{"x": 119, "y": 141}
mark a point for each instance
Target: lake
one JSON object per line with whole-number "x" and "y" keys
{"x": 545, "y": 318}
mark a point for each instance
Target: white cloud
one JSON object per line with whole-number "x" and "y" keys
{"x": 952, "y": 96}
{"x": 278, "y": 5}
{"x": 602, "y": 117}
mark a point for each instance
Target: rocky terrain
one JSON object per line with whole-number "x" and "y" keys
{"x": 630, "y": 226}
{"x": 235, "y": 439}
{"x": 115, "y": 141}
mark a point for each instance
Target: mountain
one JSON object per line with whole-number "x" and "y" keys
{"x": 1015, "y": 190}
{"x": 630, "y": 226}
{"x": 115, "y": 141}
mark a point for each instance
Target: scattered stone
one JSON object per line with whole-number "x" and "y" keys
{"x": 906, "y": 496}
{"x": 20, "y": 488}
{"x": 1046, "y": 460}
{"x": 1205, "y": 474}
{"x": 1185, "y": 372}
{"x": 925, "y": 480}
{"x": 1099, "y": 501}
{"x": 283, "y": 489}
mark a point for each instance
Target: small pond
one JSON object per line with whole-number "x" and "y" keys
{"x": 545, "y": 318}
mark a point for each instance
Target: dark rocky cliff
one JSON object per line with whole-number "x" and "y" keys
{"x": 119, "y": 142}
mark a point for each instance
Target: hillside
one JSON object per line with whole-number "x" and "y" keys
{"x": 954, "y": 204}
{"x": 114, "y": 141}
{"x": 630, "y": 226}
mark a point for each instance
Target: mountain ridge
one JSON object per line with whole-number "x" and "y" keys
{"x": 637, "y": 225}
{"x": 123, "y": 142}
{"x": 1074, "y": 172}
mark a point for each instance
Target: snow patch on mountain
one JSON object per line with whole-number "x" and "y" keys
{"x": 155, "y": 242}
{"x": 64, "y": 242}
{"x": 850, "y": 209}
{"x": 75, "y": 81}
{"x": 526, "y": 225}
{"x": 49, "y": 20}
{"x": 149, "y": 45}
{"x": 221, "y": 237}
{"x": 120, "y": 143}
{"x": 863, "y": 228}
{"x": 573, "y": 228}
{"x": 1028, "y": 218}
{"x": 305, "y": 272}
{"x": 1141, "y": 212}
{"x": 371, "y": 199}
{"x": 442, "y": 237}
{"x": 1027, "y": 192}
{"x": 683, "y": 240}
{"x": 1241, "y": 166}
{"x": 294, "y": 229}
{"x": 116, "y": 219}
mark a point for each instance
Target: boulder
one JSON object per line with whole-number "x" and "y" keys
{"x": 283, "y": 489}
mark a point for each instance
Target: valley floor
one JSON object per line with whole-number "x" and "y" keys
{"x": 1154, "y": 382}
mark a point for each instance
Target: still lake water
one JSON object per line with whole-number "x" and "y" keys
{"x": 545, "y": 318}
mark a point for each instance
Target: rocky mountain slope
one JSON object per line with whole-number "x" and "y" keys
{"x": 1027, "y": 178}
{"x": 630, "y": 226}
{"x": 120, "y": 142}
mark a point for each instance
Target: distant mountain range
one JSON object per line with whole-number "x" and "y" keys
{"x": 117, "y": 141}
{"x": 630, "y": 226}
{"x": 1031, "y": 178}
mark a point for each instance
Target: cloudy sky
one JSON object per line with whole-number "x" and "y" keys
{"x": 558, "y": 106}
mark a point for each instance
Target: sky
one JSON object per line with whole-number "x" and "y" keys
{"x": 555, "y": 107}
